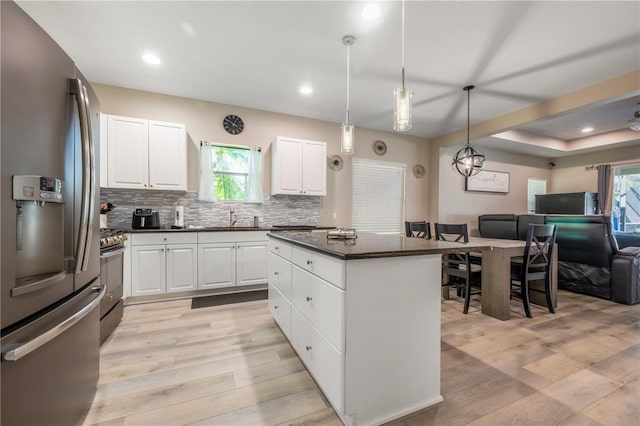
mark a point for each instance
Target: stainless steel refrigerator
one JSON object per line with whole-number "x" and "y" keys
{"x": 49, "y": 221}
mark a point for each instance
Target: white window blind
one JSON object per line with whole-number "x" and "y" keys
{"x": 378, "y": 196}
{"x": 535, "y": 187}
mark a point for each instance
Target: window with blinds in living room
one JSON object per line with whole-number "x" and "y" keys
{"x": 378, "y": 196}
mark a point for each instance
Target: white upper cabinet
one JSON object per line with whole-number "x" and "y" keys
{"x": 144, "y": 154}
{"x": 167, "y": 156}
{"x": 298, "y": 167}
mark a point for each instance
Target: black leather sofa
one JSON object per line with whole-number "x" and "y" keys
{"x": 589, "y": 261}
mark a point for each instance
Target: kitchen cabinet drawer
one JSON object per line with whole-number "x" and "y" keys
{"x": 280, "y": 248}
{"x": 322, "y": 360}
{"x": 320, "y": 302}
{"x": 328, "y": 268}
{"x": 280, "y": 309}
{"x": 279, "y": 274}
{"x": 231, "y": 236}
{"x": 138, "y": 239}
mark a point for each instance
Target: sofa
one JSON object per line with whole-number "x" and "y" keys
{"x": 589, "y": 260}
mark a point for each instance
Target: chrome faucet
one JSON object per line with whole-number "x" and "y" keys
{"x": 232, "y": 218}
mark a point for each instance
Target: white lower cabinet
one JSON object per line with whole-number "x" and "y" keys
{"x": 216, "y": 265}
{"x": 163, "y": 263}
{"x": 182, "y": 267}
{"x": 367, "y": 330}
{"x": 311, "y": 313}
{"x": 323, "y": 361}
{"x": 229, "y": 259}
{"x": 280, "y": 308}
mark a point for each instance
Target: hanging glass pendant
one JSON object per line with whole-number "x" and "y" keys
{"x": 402, "y": 110}
{"x": 347, "y": 138}
{"x": 402, "y": 107}
{"x": 347, "y": 128}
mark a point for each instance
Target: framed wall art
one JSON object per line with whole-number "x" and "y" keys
{"x": 488, "y": 181}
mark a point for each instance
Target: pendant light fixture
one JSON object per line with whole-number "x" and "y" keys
{"x": 347, "y": 127}
{"x": 402, "y": 109}
{"x": 468, "y": 161}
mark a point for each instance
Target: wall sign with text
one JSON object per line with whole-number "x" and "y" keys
{"x": 488, "y": 181}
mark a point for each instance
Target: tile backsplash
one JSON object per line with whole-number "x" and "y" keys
{"x": 275, "y": 209}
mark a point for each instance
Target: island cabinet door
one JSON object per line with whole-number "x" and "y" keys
{"x": 280, "y": 309}
{"x": 320, "y": 302}
{"x": 216, "y": 265}
{"x": 279, "y": 274}
{"x": 322, "y": 360}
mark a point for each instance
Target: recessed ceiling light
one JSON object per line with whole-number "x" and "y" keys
{"x": 306, "y": 89}
{"x": 150, "y": 58}
{"x": 587, "y": 130}
{"x": 370, "y": 12}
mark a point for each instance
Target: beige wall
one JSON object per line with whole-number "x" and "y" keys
{"x": 459, "y": 206}
{"x": 204, "y": 122}
{"x": 569, "y": 174}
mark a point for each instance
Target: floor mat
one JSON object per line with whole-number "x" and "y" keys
{"x": 225, "y": 299}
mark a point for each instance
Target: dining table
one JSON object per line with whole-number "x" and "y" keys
{"x": 496, "y": 276}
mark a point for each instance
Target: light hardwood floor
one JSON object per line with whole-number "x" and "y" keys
{"x": 230, "y": 365}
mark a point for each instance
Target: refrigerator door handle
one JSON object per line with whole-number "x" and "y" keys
{"x": 81, "y": 257}
{"x": 26, "y": 348}
{"x": 92, "y": 180}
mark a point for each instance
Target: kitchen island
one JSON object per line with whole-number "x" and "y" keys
{"x": 363, "y": 315}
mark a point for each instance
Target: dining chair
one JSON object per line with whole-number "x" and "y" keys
{"x": 418, "y": 229}
{"x": 460, "y": 273}
{"x": 534, "y": 265}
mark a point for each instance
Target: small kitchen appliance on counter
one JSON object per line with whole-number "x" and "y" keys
{"x": 178, "y": 217}
{"x": 145, "y": 218}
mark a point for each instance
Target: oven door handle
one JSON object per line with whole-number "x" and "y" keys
{"x": 112, "y": 253}
{"x": 26, "y": 348}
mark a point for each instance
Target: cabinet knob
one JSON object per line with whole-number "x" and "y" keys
{"x": 275, "y": 306}
{"x": 145, "y": 185}
{"x": 276, "y": 274}
{"x": 308, "y": 348}
{"x": 309, "y": 262}
{"x": 277, "y": 248}
{"x": 309, "y": 299}
{"x": 162, "y": 250}
{"x": 164, "y": 239}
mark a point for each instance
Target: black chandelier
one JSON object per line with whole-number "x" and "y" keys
{"x": 468, "y": 161}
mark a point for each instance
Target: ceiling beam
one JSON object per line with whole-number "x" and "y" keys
{"x": 617, "y": 88}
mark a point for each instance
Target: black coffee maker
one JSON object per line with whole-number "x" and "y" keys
{"x": 145, "y": 218}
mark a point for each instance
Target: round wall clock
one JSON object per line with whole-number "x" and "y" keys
{"x": 380, "y": 147}
{"x": 335, "y": 162}
{"x": 418, "y": 171}
{"x": 233, "y": 124}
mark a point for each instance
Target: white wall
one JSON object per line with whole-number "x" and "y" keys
{"x": 459, "y": 206}
{"x": 204, "y": 122}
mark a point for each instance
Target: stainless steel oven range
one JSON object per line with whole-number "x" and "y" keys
{"x": 111, "y": 274}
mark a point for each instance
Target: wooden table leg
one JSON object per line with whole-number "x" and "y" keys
{"x": 496, "y": 275}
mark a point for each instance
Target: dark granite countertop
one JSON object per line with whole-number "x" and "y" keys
{"x": 370, "y": 246}
{"x": 227, "y": 229}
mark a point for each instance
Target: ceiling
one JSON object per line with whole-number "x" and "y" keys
{"x": 256, "y": 54}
